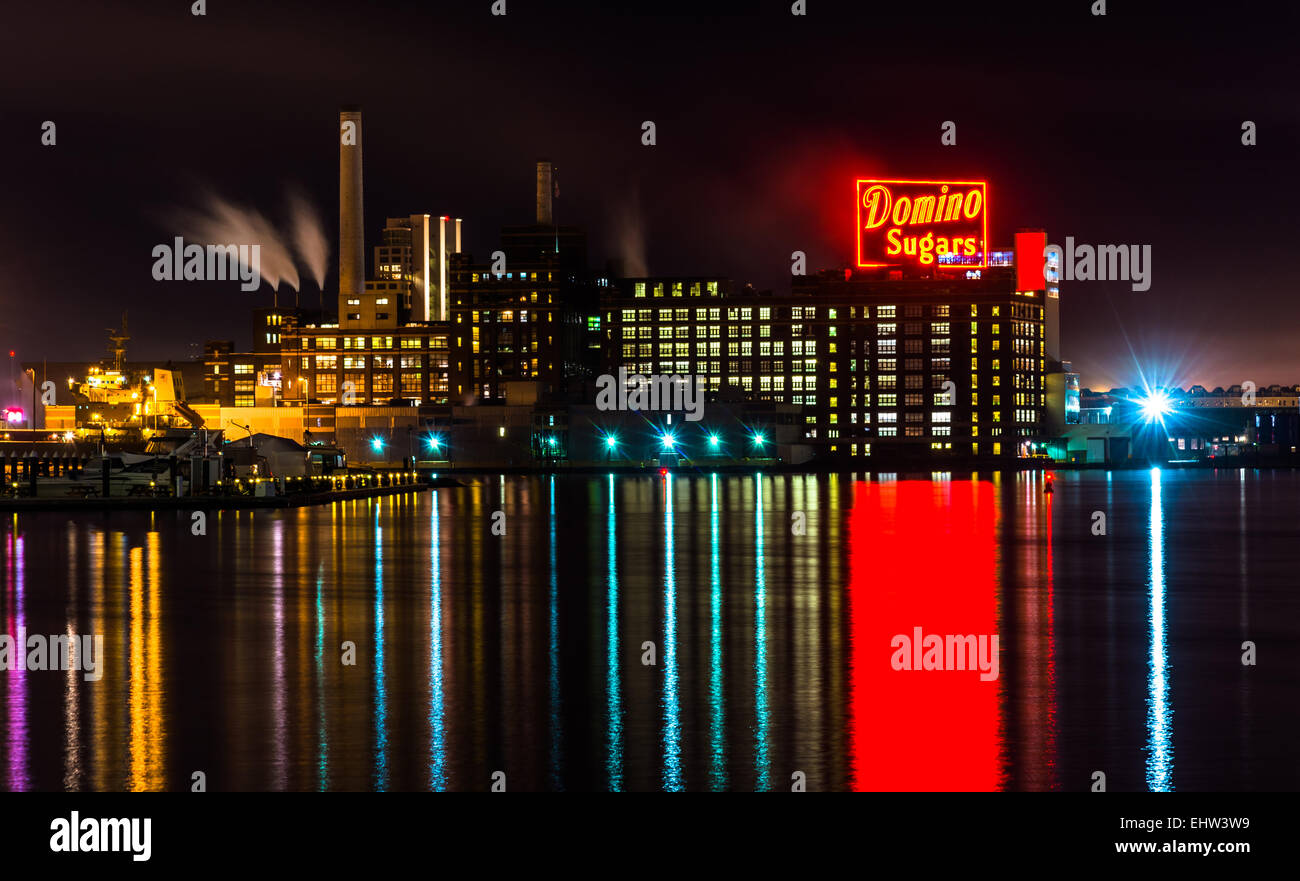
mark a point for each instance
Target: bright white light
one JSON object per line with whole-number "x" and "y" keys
{"x": 669, "y": 440}
{"x": 1156, "y": 406}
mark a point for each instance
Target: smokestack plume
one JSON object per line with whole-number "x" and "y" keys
{"x": 352, "y": 259}
{"x": 309, "y": 238}
{"x": 544, "y": 190}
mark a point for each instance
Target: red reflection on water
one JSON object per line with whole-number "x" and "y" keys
{"x": 1049, "y": 727}
{"x": 921, "y": 554}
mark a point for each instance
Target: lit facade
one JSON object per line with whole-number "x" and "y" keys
{"x": 882, "y": 365}
{"x": 411, "y": 266}
{"x": 326, "y": 364}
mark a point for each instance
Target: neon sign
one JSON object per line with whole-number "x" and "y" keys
{"x": 915, "y": 222}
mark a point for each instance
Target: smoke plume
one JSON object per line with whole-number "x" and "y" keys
{"x": 308, "y": 236}
{"x": 224, "y": 223}
{"x": 629, "y": 230}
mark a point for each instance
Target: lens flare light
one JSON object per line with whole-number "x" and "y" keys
{"x": 1155, "y": 406}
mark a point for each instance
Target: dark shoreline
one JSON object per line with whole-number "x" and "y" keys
{"x": 447, "y": 480}
{"x": 210, "y": 503}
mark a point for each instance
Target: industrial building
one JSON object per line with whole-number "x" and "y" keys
{"x": 1172, "y": 425}
{"x": 883, "y": 363}
{"x": 933, "y": 347}
{"x": 526, "y": 314}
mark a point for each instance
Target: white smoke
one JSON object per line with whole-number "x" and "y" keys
{"x": 225, "y": 223}
{"x": 309, "y": 237}
{"x": 629, "y": 231}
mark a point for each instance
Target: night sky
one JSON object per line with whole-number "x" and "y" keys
{"x": 1117, "y": 129}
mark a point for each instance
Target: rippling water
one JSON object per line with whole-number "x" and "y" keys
{"x": 707, "y": 632}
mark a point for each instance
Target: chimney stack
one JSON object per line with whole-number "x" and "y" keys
{"x": 544, "y": 191}
{"x": 352, "y": 259}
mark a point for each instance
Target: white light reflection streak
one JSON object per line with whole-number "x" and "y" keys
{"x": 1160, "y": 746}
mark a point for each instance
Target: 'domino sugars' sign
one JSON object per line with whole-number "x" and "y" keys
{"x": 918, "y": 222}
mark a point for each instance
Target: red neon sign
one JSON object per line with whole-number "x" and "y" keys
{"x": 939, "y": 224}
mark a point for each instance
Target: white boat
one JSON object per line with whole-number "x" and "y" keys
{"x": 128, "y": 474}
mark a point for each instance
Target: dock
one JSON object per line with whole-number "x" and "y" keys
{"x": 310, "y": 491}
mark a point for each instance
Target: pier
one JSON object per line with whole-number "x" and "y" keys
{"x": 288, "y": 492}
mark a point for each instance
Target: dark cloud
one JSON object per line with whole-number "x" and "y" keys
{"x": 1117, "y": 130}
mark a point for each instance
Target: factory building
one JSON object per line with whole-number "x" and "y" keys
{"x": 388, "y": 345}
{"x": 525, "y": 315}
{"x": 412, "y": 265}
{"x": 327, "y": 365}
{"x": 884, "y": 363}
{"x": 933, "y": 346}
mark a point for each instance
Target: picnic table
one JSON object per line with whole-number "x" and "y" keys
{"x": 83, "y": 492}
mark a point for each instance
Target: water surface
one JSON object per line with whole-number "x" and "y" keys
{"x": 767, "y": 604}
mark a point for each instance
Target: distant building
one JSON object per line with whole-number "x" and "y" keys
{"x": 326, "y": 364}
{"x": 883, "y": 365}
{"x": 531, "y": 321}
{"x": 412, "y": 264}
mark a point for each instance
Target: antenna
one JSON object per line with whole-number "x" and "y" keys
{"x": 118, "y": 340}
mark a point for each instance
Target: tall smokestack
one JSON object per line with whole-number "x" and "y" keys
{"x": 544, "y": 172}
{"x": 352, "y": 259}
